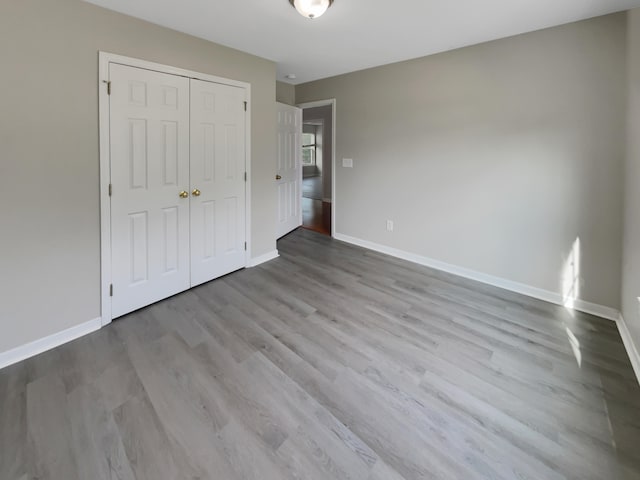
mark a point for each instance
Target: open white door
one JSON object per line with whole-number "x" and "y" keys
{"x": 149, "y": 142}
{"x": 218, "y": 181}
{"x": 289, "y": 169}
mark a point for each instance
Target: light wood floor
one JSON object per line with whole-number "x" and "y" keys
{"x": 330, "y": 362}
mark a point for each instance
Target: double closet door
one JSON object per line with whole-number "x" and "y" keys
{"x": 177, "y": 184}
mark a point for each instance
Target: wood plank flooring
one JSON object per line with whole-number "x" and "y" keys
{"x": 316, "y": 215}
{"x": 330, "y": 362}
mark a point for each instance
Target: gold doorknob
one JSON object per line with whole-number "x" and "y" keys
{"x": 196, "y": 192}
{"x": 183, "y": 194}
{"x": 278, "y": 177}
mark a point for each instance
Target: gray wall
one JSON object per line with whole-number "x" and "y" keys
{"x": 495, "y": 157}
{"x": 631, "y": 269}
{"x": 325, "y": 114}
{"x": 285, "y": 93}
{"x": 49, "y": 183}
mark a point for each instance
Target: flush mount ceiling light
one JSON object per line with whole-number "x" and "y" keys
{"x": 311, "y": 8}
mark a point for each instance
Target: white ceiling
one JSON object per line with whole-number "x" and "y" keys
{"x": 357, "y": 34}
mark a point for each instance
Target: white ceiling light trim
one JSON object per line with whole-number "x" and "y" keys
{"x": 311, "y": 8}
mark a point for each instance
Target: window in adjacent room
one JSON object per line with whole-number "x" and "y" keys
{"x": 309, "y": 146}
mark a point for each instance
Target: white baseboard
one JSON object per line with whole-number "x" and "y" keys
{"x": 535, "y": 292}
{"x": 254, "y": 262}
{"x": 629, "y": 345}
{"x": 601, "y": 311}
{"x": 36, "y": 347}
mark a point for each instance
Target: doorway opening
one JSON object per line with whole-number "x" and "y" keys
{"x": 317, "y": 171}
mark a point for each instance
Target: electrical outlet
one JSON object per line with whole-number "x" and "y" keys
{"x": 347, "y": 162}
{"x": 389, "y": 225}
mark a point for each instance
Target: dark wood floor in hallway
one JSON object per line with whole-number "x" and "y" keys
{"x": 316, "y": 213}
{"x": 330, "y": 362}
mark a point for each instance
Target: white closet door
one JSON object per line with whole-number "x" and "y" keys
{"x": 149, "y": 123}
{"x": 289, "y": 169}
{"x": 217, "y": 180}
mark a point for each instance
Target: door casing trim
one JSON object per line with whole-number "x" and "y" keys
{"x": 104, "y": 59}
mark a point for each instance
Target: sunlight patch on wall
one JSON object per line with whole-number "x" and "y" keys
{"x": 571, "y": 277}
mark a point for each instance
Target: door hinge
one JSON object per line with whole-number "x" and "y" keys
{"x": 245, "y": 246}
{"x": 108, "y": 82}
{"x": 111, "y": 290}
{"x": 110, "y": 190}
{"x": 245, "y": 176}
{"x": 245, "y": 106}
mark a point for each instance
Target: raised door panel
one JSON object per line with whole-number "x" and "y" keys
{"x": 289, "y": 169}
{"x": 149, "y": 143}
{"x": 218, "y": 172}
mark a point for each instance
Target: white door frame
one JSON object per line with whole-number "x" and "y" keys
{"x": 104, "y": 59}
{"x": 323, "y": 103}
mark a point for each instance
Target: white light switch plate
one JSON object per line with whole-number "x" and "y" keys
{"x": 347, "y": 162}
